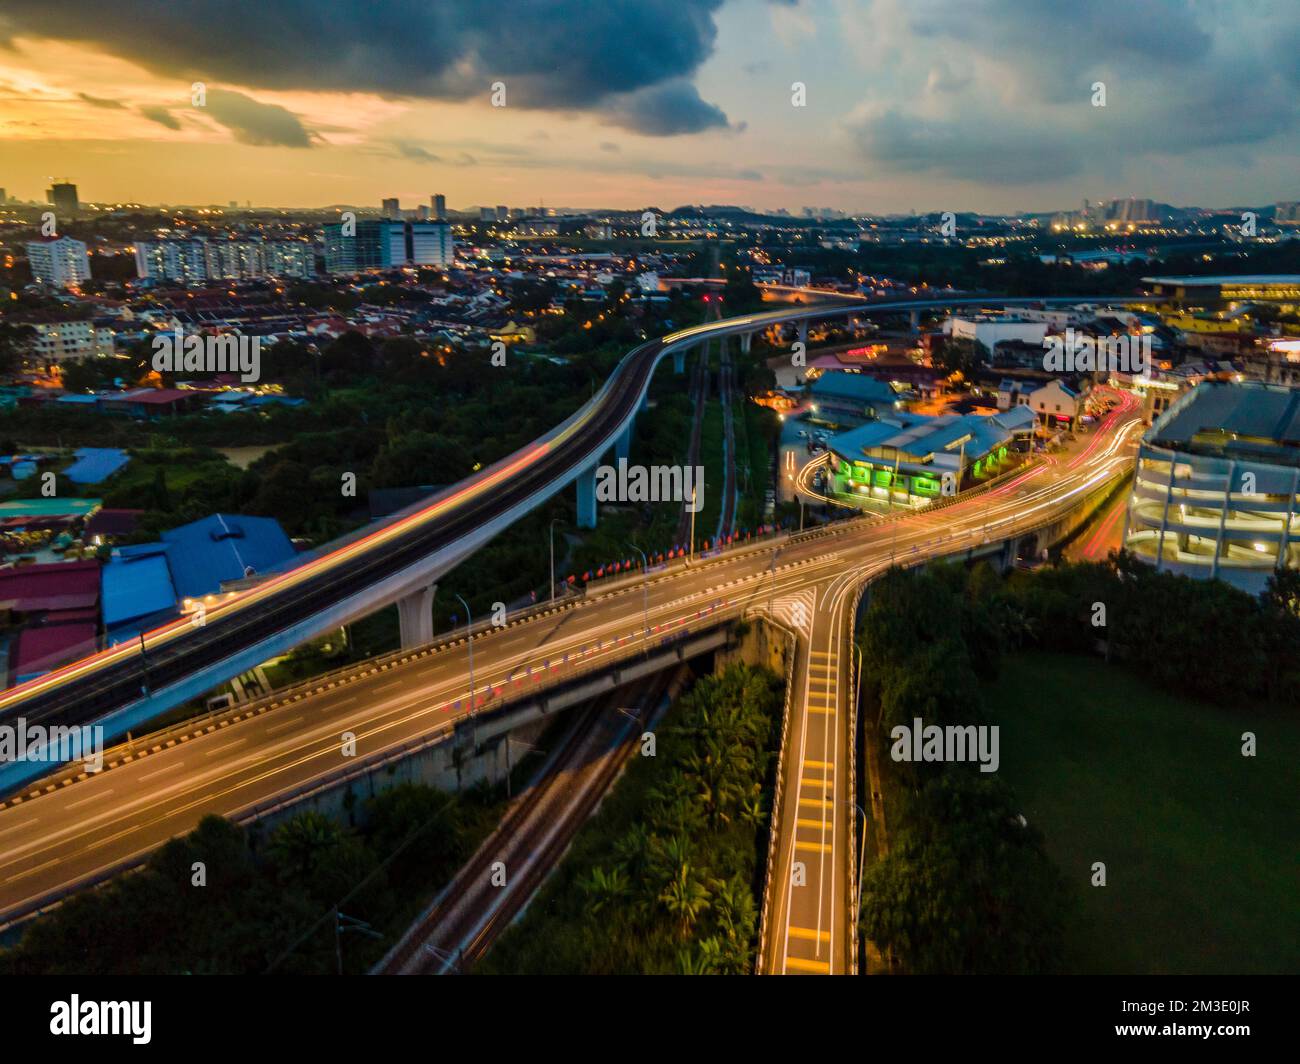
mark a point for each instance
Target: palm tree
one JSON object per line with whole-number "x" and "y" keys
{"x": 300, "y": 843}
{"x": 631, "y": 849}
{"x": 753, "y": 810}
{"x": 605, "y": 888}
{"x": 669, "y": 855}
{"x": 733, "y": 908}
{"x": 686, "y": 898}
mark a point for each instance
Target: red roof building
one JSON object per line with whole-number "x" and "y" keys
{"x": 41, "y": 649}
{"x": 50, "y": 589}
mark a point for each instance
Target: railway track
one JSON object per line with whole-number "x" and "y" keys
{"x": 462, "y": 924}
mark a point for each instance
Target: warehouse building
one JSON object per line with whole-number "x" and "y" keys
{"x": 911, "y": 459}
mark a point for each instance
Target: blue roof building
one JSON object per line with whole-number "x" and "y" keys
{"x": 853, "y": 393}
{"x": 143, "y": 584}
{"x": 912, "y": 458}
{"x": 136, "y": 591}
{"x": 223, "y": 547}
{"x": 96, "y": 464}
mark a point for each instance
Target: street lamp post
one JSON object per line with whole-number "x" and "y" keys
{"x": 691, "y": 553}
{"x": 645, "y": 591}
{"x": 862, "y": 854}
{"x": 552, "y": 530}
{"x": 469, "y": 635}
{"x": 771, "y": 595}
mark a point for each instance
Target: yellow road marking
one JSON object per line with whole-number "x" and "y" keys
{"x": 809, "y": 935}
{"x": 813, "y": 847}
{"x": 801, "y": 965}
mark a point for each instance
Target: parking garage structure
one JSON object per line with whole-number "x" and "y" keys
{"x": 1216, "y": 485}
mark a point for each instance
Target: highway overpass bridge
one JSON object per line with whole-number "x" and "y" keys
{"x": 75, "y": 829}
{"x": 398, "y": 561}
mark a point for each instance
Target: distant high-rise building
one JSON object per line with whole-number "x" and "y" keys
{"x": 69, "y": 340}
{"x": 1282, "y": 212}
{"x": 234, "y": 203}
{"x": 431, "y": 244}
{"x": 3, "y": 198}
{"x": 367, "y": 248}
{"x": 439, "y": 207}
{"x": 422, "y": 212}
{"x": 383, "y": 245}
{"x": 392, "y": 209}
{"x": 64, "y": 197}
{"x": 63, "y": 263}
{"x": 1131, "y": 210}
{"x": 184, "y": 261}
{"x": 198, "y": 260}
{"x": 503, "y": 213}
{"x": 487, "y": 214}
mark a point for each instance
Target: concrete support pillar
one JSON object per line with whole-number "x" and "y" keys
{"x": 415, "y": 617}
{"x": 1223, "y": 520}
{"x": 803, "y": 334}
{"x": 1006, "y": 555}
{"x": 914, "y": 321}
{"x": 679, "y": 361}
{"x": 1164, "y": 517}
{"x": 1286, "y": 520}
{"x": 746, "y": 342}
{"x": 587, "y": 498}
{"x": 623, "y": 445}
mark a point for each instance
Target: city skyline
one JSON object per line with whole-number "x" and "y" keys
{"x": 939, "y": 106}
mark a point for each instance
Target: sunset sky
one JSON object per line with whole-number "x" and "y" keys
{"x": 926, "y": 104}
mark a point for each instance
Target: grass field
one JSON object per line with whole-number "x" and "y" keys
{"x": 1199, "y": 842}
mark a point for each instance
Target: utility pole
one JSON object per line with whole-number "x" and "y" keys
{"x": 144, "y": 658}
{"x": 469, "y": 632}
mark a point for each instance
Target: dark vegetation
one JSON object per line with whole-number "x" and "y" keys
{"x": 967, "y": 885}
{"x": 264, "y": 896}
{"x": 667, "y": 876}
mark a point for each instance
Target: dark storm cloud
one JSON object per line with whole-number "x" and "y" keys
{"x": 664, "y": 110}
{"x": 968, "y": 151}
{"x": 413, "y": 151}
{"x": 256, "y": 123}
{"x": 1010, "y": 81}
{"x": 1156, "y": 31}
{"x": 558, "y": 54}
{"x": 99, "y": 101}
{"x": 161, "y": 115}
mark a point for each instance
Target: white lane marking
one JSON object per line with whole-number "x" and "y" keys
{"x": 159, "y": 772}
{"x": 84, "y": 801}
